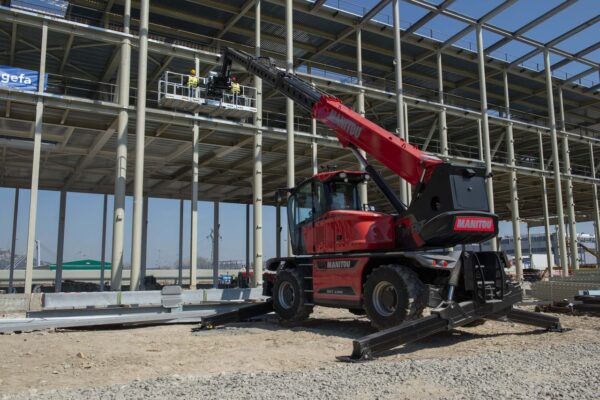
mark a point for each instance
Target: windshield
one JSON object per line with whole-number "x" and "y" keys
{"x": 344, "y": 196}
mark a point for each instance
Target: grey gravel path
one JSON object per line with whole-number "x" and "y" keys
{"x": 566, "y": 371}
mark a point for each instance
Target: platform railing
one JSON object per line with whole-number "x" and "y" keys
{"x": 173, "y": 85}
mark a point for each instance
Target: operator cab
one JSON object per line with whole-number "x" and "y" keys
{"x": 325, "y": 214}
{"x": 324, "y": 192}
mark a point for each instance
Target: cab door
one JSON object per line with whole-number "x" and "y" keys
{"x": 301, "y": 212}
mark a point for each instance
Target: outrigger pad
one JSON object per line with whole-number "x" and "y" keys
{"x": 447, "y": 316}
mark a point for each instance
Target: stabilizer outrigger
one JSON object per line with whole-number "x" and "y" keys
{"x": 492, "y": 297}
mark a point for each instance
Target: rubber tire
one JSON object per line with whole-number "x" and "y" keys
{"x": 298, "y": 310}
{"x": 411, "y": 291}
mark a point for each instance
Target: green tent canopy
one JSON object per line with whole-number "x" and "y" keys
{"x": 80, "y": 265}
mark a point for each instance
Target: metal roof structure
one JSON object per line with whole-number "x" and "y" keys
{"x": 81, "y": 107}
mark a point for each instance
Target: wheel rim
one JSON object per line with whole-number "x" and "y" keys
{"x": 286, "y": 295}
{"x": 385, "y": 298}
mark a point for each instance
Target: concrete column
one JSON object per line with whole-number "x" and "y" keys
{"x": 194, "y": 208}
{"x": 442, "y": 113}
{"x": 13, "y": 243}
{"x": 594, "y": 203}
{"x": 562, "y": 246}
{"x": 103, "y": 244}
{"x": 144, "y": 255}
{"x": 121, "y": 158}
{"x": 289, "y": 103}
{"x": 549, "y": 258}
{"x": 569, "y": 185}
{"x": 257, "y": 194}
{"x": 180, "y": 259}
{"x": 215, "y": 244}
{"x": 485, "y": 127}
{"x": 514, "y": 196}
{"x": 360, "y": 105}
{"x": 247, "y": 240}
{"x": 140, "y": 136}
{"x": 399, "y": 91}
{"x": 194, "y": 205}
{"x": 278, "y": 231}
{"x": 35, "y": 167}
{"x": 60, "y": 241}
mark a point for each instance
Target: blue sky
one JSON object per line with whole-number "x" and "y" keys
{"x": 84, "y": 212}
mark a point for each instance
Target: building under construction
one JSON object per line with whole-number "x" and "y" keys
{"x": 112, "y": 110}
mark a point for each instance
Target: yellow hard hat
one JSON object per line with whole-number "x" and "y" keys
{"x": 193, "y": 72}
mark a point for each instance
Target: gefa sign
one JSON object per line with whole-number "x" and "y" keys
{"x": 20, "y": 79}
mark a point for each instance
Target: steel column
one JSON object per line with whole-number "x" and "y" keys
{"x": 140, "y": 136}
{"x": 257, "y": 194}
{"x": 180, "y": 258}
{"x": 562, "y": 246}
{"x": 360, "y": 105}
{"x": 549, "y": 258}
{"x": 215, "y": 244}
{"x": 442, "y": 113}
{"x": 399, "y": 91}
{"x": 514, "y": 197}
{"x": 13, "y": 243}
{"x": 313, "y": 130}
{"x": 278, "y": 231}
{"x": 595, "y": 203}
{"x": 118, "y": 239}
{"x": 60, "y": 241}
{"x": 144, "y": 255}
{"x": 485, "y": 125}
{"x": 103, "y": 243}
{"x": 247, "y": 240}
{"x": 35, "y": 167}
{"x": 289, "y": 10}
{"x": 569, "y": 185}
{"x": 194, "y": 207}
{"x": 407, "y": 186}
{"x": 529, "y": 250}
{"x": 480, "y": 140}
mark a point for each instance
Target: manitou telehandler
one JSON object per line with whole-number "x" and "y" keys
{"x": 387, "y": 266}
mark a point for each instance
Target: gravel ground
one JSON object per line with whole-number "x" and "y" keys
{"x": 565, "y": 371}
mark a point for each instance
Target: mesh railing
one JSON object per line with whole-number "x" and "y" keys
{"x": 177, "y": 86}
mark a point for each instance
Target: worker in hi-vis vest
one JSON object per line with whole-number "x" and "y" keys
{"x": 235, "y": 89}
{"x": 192, "y": 82}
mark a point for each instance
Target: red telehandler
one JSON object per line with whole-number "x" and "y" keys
{"x": 387, "y": 266}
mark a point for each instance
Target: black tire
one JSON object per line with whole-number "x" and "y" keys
{"x": 289, "y": 297}
{"x": 393, "y": 294}
{"x": 418, "y": 292}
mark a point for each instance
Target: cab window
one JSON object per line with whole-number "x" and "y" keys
{"x": 343, "y": 196}
{"x": 304, "y": 204}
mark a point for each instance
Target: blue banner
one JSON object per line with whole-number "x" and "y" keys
{"x": 20, "y": 79}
